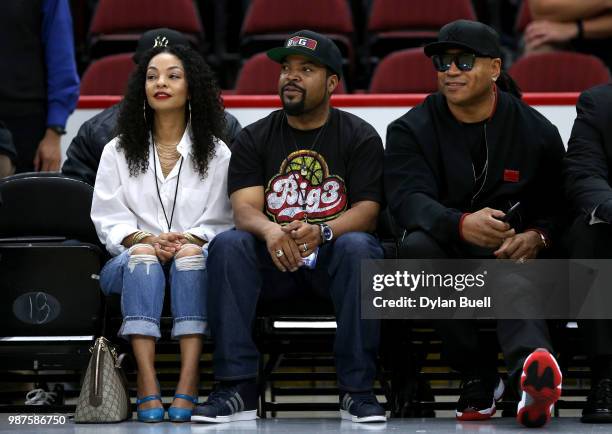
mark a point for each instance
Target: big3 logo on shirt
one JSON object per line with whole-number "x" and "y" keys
{"x": 303, "y": 185}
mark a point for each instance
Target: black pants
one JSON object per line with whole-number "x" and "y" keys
{"x": 593, "y": 242}
{"x": 27, "y": 131}
{"x": 464, "y": 348}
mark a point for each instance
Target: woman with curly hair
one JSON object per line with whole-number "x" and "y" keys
{"x": 160, "y": 197}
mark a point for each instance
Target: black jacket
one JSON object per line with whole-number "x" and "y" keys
{"x": 587, "y": 164}
{"x": 83, "y": 154}
{"x": 429, "y": 178}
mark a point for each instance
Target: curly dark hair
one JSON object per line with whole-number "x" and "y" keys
{"x": 207, "y": 115}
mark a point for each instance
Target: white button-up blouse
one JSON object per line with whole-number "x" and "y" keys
{"x": 123, "y": 204}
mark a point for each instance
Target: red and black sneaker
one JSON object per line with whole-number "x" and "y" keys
{"x": 478, "y": 397}
{"x": 541, "y": 387}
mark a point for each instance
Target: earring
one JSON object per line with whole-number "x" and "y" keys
{"x": 189, "y": 106}
{"x": 144, "y": 110}
{"x": 494, "y": 79}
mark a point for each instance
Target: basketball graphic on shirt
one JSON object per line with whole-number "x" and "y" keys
{"x": 295, "y": 165}
{"x": 316, "y": 175}
{"x": 304, "y": 188}
{"x": 308, "y": 167}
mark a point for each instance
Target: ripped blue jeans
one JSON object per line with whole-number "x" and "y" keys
{"x": 141, "y": 281}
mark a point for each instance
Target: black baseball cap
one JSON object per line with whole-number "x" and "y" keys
{"x": 313, "y": 45}
{"x": 162, "y": 37}
{"x": 472, "y": 36}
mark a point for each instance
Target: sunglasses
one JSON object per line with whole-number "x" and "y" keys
{"x": 463, "y": 61}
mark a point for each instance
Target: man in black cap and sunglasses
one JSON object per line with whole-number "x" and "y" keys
{"x": 453, "y": 166}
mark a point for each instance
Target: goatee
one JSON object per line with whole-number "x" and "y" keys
{"x": 294, "y": 108}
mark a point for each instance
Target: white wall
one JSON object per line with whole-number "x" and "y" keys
{"x": 561, "y": 115}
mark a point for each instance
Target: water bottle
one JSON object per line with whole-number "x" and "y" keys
{"x": 310, "y": 261}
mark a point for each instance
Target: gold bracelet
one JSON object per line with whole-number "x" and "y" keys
{"x": 192, "y": 238}
{"x": 139, "y": 236}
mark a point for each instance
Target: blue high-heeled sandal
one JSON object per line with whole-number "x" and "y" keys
{"x": 150, "y": 414}
{"x": 177, "y": 414}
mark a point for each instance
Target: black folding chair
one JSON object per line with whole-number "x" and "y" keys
{"x": 50, "y": 260}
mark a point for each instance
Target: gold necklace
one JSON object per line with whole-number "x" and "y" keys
{"x": 168, "y": 156}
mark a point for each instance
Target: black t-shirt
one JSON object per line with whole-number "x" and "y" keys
{"x": 318, "y": 173}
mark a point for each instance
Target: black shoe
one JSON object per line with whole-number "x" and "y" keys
{"x": 478, "y": 397}
{"x": 58, "y": 389}
{"x": 361, "y": 407}
{"x": 598, "y": 408}
{"x": 228, "y": 403}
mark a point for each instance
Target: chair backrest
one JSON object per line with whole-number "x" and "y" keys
{"x": 406, "y": 15}
{"x": 118, "y": 24}
{"x": 259, "y": 76}
{"x": 281, "y": 16}
{"x": 268, "y": 23}
{"x": 50, "y": 289}
{"x": 108, "y": 75}
{"x": 405, "y": 71}
{"x": 50, "y": 205}
{"x": 558, "y": 71}
{"x": 138, "y": 16}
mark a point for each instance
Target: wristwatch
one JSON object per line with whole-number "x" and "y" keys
{"x": 57, "y": 129}
{"x": 326, "y": 233}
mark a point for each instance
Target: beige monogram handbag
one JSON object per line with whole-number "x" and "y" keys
{"x": 104, "y": 394}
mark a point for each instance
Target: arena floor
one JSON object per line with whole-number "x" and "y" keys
{"x": 311, "y": 426}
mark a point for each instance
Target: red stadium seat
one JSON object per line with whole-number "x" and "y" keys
{"x": 120, "y": 21}
{"x": 268, "y": 23}
{"x": 405, "y": 71}
{"x": 558, "y": 71}
{"x": 398, "y": 24}
{"x": 280, "y": 16}
{"x": 108, "y": 75}
{"x": 259, "y": 76}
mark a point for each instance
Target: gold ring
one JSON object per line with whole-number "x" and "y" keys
{"x": 279, "y": 253}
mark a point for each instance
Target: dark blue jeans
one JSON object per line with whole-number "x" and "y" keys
{"x": 240, "y": 268}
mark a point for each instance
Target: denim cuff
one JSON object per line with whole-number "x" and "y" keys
{"x": 190, "y": 325}
{"x": 344, "y": 388}
{"x": 138, "y": 326}
{"x": 236, "y": 377}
